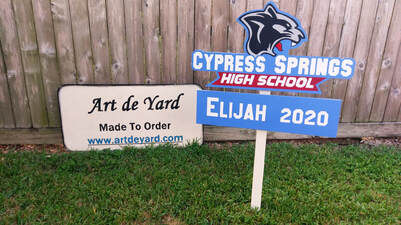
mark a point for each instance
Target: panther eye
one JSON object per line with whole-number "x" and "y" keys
{"x": 287, "y": 25}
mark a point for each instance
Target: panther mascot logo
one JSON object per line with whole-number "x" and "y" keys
{"x": 267, "y": 28}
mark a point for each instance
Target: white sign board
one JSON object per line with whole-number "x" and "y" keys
{"x": 100, "y": 117}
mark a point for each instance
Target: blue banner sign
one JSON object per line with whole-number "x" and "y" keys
{"x": 299, "y": 115}
{"x": 266, "y": 63}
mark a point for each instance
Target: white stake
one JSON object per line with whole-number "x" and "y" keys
{"x": 258, "y": 165}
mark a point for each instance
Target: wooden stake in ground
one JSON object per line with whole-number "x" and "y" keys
{"x": 258, "y": 165}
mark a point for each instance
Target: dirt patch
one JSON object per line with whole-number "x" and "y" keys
{"x": 171, "y": 221}
{"x": 368, "y": 141}
{"x": 59, "y": 148}
{"x": 341, "y": 141}
{"x": 372, "y": 141}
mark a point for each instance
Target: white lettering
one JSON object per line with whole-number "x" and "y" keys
{"x": 218, "y": 60}
{"x": 334, "y": 67}
{"x": 222, "y": 115}
{"x": 248, "y": 113}
{"x": 261, "y": 80}
{"x": 226, "y": 78}
{"x": 346, "y": 67}
{"x": 301, "y": 82}
{"x": 209, "y": 58}
{"x": 303, "y": 66}
{"x": 291, "y": 81}
{"x": 228, "y": 63}
{"x": 280, "y": 81}
{"x": 239, "y": 114}
{"x": 261, "y": 113}
{"x": 280, "y": 66}
{"x": 260, "y": 64}
{"x": 321, "y": 67}
{"x": 210, "y": 107}
{"x": 249, "y": 63}
{"x": 292, "y": 63}
{"x": 269, "y": 81}
{"x": 197, "y": 65}
{"x": 239, "y": 63}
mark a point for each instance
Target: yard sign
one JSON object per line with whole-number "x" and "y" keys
{"x": 107, "y": 116}
{"x": 266, "y": 66}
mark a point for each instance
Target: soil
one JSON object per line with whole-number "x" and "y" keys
{"x": 59, "y": 148}
{"x": 367, "y": 141}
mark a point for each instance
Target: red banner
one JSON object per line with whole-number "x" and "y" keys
{"x": 270, "y": 81}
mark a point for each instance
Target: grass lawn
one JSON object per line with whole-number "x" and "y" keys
{"x": 307, "y": 184}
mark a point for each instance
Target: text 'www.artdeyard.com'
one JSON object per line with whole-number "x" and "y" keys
{"x": 132, "y": 140}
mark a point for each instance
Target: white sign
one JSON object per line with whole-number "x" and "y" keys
{"x": 99, "y": 117}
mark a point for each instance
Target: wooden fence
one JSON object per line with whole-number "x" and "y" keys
{"x": 48, "y": 43}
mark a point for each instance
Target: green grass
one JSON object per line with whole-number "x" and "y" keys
{"x": 308, "y": 184}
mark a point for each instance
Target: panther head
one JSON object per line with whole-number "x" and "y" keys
{"x": 267, "y": 28}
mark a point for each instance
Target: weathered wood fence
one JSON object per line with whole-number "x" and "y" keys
{"x": 48, "y": 43}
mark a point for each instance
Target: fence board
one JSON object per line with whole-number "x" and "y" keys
{"x": 304, "y": 14}
{"x": 254, "y": 4}
{"x": 333, "y": 37}
{"x": 347, "y": 43}
{"x": 168, "y": 27}
{"x": 318, "y": 27}
{"x": 219, "y": 29}
{"x": 99, "y": 41}
{"x": 290, "y": 7}
{"x": 135, "y": 50}
{"x": 236, "y": 33}
{"x": 6, "y": 112}
{"x": 64, "y": 44}
{"x": 378, "y": 43}
{"x": 219, "y": 24}
{"x": 203, "y": 23}
{"x": 185, "y": 41}
{"x": 386, "y": 72}
{"x": 394, "y": 98}
{"x": 31, "y": 136}
{"x": 277, "y": 2}
{"x": 118, "y": 54}
{"x": 13, "y": 64}
{"x": 152, "y": 42}
{"x": 82, "y": 42}
{"x": 235, "y": 30}
{"x": 31, "y": 62}
{"x": 317, "y": 30}
{"x": 399, "y": 115}
{"x": 361, "y": 51}
{"x": 48, "y": 59}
